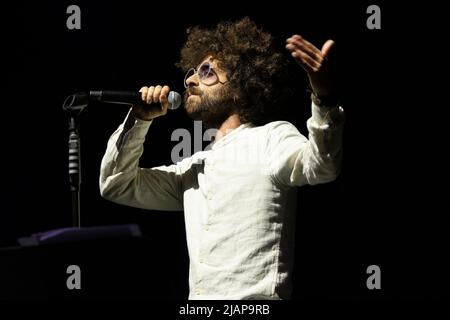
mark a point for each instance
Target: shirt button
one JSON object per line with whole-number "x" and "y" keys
{"x": 206, "y": 228}
{"x": 201, "y": 260}
{"x": 197, "y": 292}
{"x": 210, "y": 195}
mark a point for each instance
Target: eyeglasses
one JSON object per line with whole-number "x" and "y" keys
{"x": 205, "y": 73}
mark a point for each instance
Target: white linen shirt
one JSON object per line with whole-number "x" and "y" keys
{"x": 237, "y": 197}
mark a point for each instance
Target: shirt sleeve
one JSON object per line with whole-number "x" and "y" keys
{"x": 123, "y": 181}
{"x": 296, "y": 160}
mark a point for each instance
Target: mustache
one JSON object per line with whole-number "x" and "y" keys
{"x": 193, "y": 91}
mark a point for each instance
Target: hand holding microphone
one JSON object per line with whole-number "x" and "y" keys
{"x": 157, "y": 103}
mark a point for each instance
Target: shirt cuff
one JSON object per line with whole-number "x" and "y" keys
{"x": 135, "y": 128}
{"x": 330, "y": 116}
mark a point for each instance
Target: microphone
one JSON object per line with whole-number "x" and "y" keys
{"x": 131, "y": 97}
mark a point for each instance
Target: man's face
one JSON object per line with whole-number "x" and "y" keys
{"x": 208, "y": 96}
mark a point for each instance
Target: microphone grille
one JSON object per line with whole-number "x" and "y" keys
{"x": 174, "y": 100}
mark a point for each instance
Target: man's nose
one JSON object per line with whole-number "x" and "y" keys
{"x": 192, "y": 81}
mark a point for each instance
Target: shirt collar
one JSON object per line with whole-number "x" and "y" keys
{"x": 230, "y": 136}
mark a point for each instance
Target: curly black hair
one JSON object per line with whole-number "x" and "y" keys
{"x": 255, "y": 69}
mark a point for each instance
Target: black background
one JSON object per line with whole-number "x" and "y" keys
{"x": 384, "y": 209}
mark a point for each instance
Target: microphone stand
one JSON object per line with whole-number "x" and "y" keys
{"x": 74, "y": 170}
{"x": 74, "y": 105}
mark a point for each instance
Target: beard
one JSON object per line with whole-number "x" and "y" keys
{"x": 211, "y": 108}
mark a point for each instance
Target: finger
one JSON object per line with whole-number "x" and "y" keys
{"x": 156, "y": 94}
{"x": 149, "y": 98}
{"x": 301, "y": 42}
{"x": 165, "y": 90}
{"x": 301, "y": 62}
{"x": 326, "y": 48}
{"x": 300, "y": 56}
{"x": 306, "y": 43}
{"x": 312, "y": 59}
{"x": 314, "y": 54}
{"x": 163, "y": 97}
{"x": 143, "y": 92}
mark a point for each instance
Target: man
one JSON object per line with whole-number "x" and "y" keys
{"x": 238, "y": 196}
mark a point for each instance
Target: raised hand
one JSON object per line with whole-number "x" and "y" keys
{"x": 315, "y": 62}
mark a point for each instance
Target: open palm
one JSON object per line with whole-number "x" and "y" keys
{"x": 315, "y": 62}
